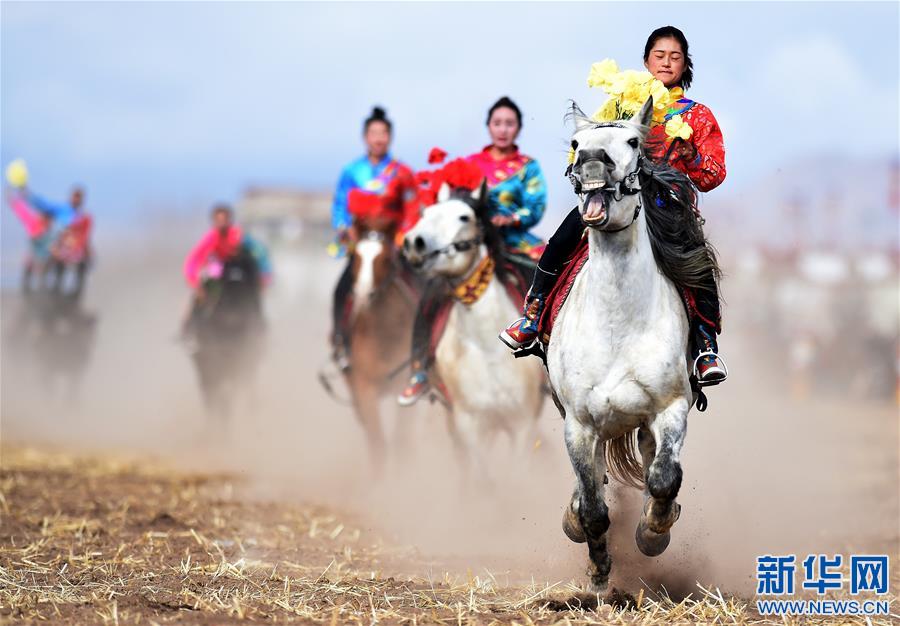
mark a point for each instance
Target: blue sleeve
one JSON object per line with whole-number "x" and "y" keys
{"x": 43, "y": 205}
{"x": 260, "y": 254}
{"x": 340, "y": 214}
{"x": 534, "y": 196}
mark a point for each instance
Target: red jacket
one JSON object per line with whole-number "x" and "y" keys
{"x": 707, "y": 170}
{"x": 399, "y": 202}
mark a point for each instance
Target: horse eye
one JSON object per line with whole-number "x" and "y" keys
{"x": 633, "y": 142}
{"x": 464, "y": 218}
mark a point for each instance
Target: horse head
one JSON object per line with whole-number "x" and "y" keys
{"x": 606, "y": 169}
{"x": 447, "y": 239}
{"x": 373, "y": 258}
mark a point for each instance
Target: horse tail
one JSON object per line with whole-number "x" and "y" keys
{"x": 622, "y": 461}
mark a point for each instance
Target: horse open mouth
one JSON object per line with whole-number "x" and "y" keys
{"x": 596, "y": 209}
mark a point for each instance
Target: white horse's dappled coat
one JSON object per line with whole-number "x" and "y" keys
{"x": 617, "y": 356}
{"x": 490, "y": 390}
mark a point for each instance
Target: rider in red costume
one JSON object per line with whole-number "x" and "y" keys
{"x": 701, "y": 158}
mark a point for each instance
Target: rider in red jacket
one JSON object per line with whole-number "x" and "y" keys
{"x": 701, "y": 158}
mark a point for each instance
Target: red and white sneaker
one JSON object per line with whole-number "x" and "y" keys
{"x": 709, "y": 369}
{"x": 520, "y": 334}
{"x": 524, "y": 331}
{"x": 418, "y": 386}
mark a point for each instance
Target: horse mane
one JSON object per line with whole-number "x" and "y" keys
{"x": 681, "y": 250}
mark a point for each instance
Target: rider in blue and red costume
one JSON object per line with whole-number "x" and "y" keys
{"x": 701, "y": 158}
{"x": 517, "y": 197}
{"x": 379, "y": 175}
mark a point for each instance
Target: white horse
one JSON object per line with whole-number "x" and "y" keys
{"x": 489, "y": 390}
{"x": 617, "y": 358}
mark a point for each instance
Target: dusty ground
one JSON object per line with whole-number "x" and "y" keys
{"x": 91, "y": 540}
{"x": 122, "y": 501}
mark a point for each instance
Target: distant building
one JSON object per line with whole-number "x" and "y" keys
{"x": 282, "y": 215}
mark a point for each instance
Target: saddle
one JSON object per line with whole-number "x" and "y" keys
{"x": 557, "y": 296}
{"x": 572, "y": 267}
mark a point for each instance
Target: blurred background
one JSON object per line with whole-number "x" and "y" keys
{"x": 161, "y": 109}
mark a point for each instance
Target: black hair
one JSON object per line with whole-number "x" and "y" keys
{"x": 670, "y": 31}
{"x": 221, "y": 207}
{"x": 506, "y": 103}
{"x": 377, "y": 115}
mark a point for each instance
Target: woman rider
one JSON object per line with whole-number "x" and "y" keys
{"x": 517, "y": 199}
{"x": 378, "y": 173}
{"x": 701, "y": 158}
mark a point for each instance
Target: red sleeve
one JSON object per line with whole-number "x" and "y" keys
{"x": 197, "y": 257}
{"x": 707, "y": 170}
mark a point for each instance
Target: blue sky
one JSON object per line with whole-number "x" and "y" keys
{"x": 178, "y": 104}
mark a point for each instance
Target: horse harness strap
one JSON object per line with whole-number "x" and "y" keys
{"x": 456, "y": 246}
{"x": 470, "y": 290}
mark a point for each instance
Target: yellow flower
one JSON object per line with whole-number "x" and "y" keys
{"x": 608, "y": 112}
{"x": 676, "y": 127}
{"x": 661, "y": 96}
{"x": 505, "y": 198}
{"x": 17, "y": 173}
{"x": 602, "y": 72}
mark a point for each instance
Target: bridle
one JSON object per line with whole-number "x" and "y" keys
{"x": 456, "y": 246}
{"x": 628, "y": 186}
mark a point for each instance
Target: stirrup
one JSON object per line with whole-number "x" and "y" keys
{"x": 696, "y": 370}
{"x": 418, "y": 386}
{"x": 341, "y": 360}
{"x": 514, "y": 344}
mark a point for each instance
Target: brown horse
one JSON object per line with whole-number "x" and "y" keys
{"x": 380, "y": 324}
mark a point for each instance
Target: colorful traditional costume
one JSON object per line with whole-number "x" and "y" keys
{"x": 389, "y": 179}
{"x": 517, "y": 188}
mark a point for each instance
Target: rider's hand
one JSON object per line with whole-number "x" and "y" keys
{"x": 343, "y": 235}
{"x": 200, "y": 293}
{"x": 503, "y": 221}
{"x": 685, "y": 151}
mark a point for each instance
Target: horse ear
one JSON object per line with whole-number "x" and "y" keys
{"x": 581, "y": 120}
{"x": 643, "y": 117}
{"x": 443, "y": 193}
{"x": 480, "y": 192}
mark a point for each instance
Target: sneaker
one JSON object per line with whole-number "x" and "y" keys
{"x": 710, "y": 369}
{"x": 520, "y": 334}
{"x": 418, "y": 386}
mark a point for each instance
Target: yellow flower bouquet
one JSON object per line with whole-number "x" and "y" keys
{"x": 628, "y": 90}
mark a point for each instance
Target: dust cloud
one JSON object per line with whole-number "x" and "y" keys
{"x": 765, "y": 472}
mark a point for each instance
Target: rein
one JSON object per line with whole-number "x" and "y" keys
{"x": 457, "y": 246}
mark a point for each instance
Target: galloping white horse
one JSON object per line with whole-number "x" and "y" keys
{"x": 490, "y": 391}
{"x": 617, "y": 358}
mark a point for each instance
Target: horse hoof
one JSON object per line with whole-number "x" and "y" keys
{"x": 649, "y": 542}
{"x": 598, "y": 587}
{"x": 572, "y": 525}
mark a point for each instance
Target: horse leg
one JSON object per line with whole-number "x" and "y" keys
{"x": 660, "y": 445}
{"x": 365, "y": 402}
{"x": 471, "y": 440}
{"x": 588, "y": 506}
{"x": 571, "y": 525}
